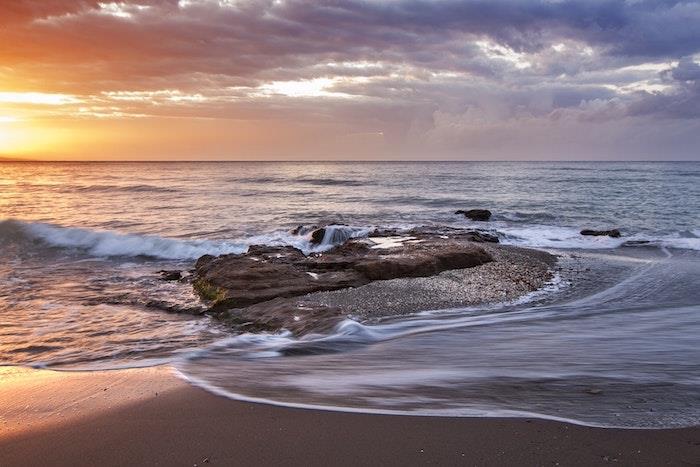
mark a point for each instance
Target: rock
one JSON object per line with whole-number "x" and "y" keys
{"x": 283, "y": 313}
{"x": 170, "y": 275}
{"x": 233, "y": 284}
{"x": 481, "y": 237}
{"x": 610, "y": 233}
{"x": 421, "y": 264}
{"x": 332, "y": 234}
{"x": 636, "y": 242}
{"x": 478, "y": 236}
{"x": 318, "y": 235}
{"x": 476, "y": 214}
{"x": 303, "y": 230}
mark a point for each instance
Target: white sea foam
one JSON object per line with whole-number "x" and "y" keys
{"x": 549, "y": 236}
{"x": 105, "y": 243}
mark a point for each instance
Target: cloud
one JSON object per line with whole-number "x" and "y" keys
{"x": 414, "y": 70}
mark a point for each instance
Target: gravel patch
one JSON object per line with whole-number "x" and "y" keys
{"x": 513, "y": 273}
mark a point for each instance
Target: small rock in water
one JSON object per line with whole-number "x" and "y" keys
{"x": 318, "y": 235}
{"x": 170, "y": 275}
{"x": 614, "y": 233}
{"x": 594, "y": 391}
{"x": 476, "y": 214}
{"x": 333, "y": 234}
{"x": 303, "y": 230}
{"x": 636, "y": 242}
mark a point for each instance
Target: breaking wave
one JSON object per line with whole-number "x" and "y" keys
{"x": 105, "y": 243}
{"x": 108, "y": 243}
{"x": 548, "y": 236}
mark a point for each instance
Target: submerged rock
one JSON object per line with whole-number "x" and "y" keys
{"x": 636, "y": 242}
{"x": 614, "y": 233}
{"x": 476, "y": 214}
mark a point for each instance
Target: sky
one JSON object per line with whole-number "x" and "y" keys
{"x": 350, "y": 80}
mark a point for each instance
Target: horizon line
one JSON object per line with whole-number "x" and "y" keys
{"x": 16, "y": 159}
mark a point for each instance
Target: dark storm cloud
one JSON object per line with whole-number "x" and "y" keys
{"x": 247, "y": 37}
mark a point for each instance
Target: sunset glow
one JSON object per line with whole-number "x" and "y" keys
{"x": 349, "y": 232}
{"x": 248, "y": 79}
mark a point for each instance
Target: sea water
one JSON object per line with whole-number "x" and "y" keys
{"x": 82, "y": 244}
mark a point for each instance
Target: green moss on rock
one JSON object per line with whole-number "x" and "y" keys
{"x": 208, "y": 291}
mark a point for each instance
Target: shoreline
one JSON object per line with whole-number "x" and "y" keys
{"x": 150, "y": 416}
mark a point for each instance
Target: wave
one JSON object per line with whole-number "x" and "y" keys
{"x": 286, "y": 193}
{"x": 256, "y": 180}
{"x": 102, "y": 243}
{"x": 549, "y": 236}
{"x": 519, "y": 216}
{"x": 122, "y": 188}
{"x": 97, "y": 188}
{"x": 304, "y": 180}
{"x": 328, "y": 181}
{"x": 106, "y": 243}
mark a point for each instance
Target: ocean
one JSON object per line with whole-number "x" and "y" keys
{"x": 82, "y": 244}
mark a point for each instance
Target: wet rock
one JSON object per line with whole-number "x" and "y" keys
{"x": 476, "y": 214}
{"x": 236, "y": 284}
{"x": 614, "y": 233}
{"x": 480, "y": 237}
{"x": 476, "y": 235}
{"x": 303, "y": 230}
{"x": 170, "y": 275}
{"x": 283, "y": 313}
{"x": 332, "y": 234}
{"x": 421, "y": 264}
{"x": 636, "y": 242}
{"x": 318, "y": 235}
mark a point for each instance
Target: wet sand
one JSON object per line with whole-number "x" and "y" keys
{"x": 151, "y": 417}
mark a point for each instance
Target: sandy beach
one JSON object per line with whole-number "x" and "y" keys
{"x": 151, "y": 417}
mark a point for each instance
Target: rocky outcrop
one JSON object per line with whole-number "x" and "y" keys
{"x": 266, "y": 273}
{"x": 253, "y": 289}
{"x": 614, "y": 233}
{"x": 476, "y": 214}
